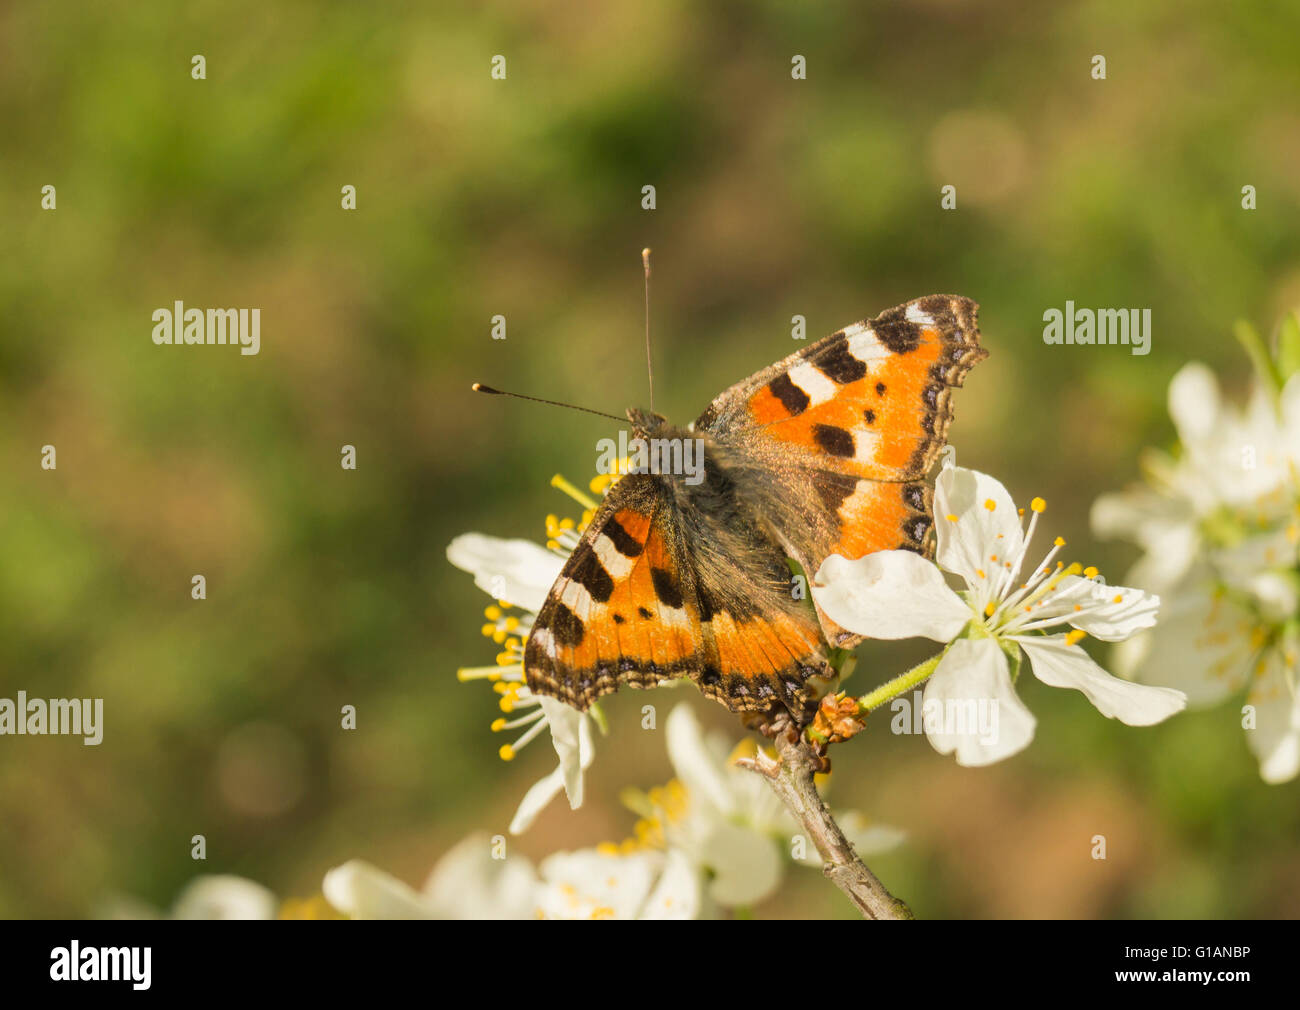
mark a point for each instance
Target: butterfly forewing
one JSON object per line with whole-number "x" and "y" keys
{"x": 833, "y": 443}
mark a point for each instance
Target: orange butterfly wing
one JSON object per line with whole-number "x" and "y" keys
{"x": 847, "y": 430}
{"x": 631, "y": 606}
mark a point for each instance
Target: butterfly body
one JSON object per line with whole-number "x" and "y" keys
{"x": 687, "y": 575}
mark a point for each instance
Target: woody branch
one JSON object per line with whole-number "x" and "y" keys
{"x": 791, "y": 778}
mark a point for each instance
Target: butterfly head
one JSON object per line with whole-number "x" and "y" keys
{"x": 646, "y": 422}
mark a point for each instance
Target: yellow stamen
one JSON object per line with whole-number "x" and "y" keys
{"x": 1038, "y": 505}
{"x": 988, "y": 609}
{"x": 951, "y": 518}
{"x": 1075, "y": 636}
{"x": 492, "y": 613}
{"x": 1059, "y": 541}
{"x": 990, "y": 504}
{"x": 507, "y": 752}
{"x": 498, "y": 725}
{"x": 1090, "y": 572}
{"x": 466, "y": 673}
{"x": 559, "y": 482}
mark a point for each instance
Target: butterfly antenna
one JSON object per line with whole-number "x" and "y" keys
{"x": 478, "y": 387}
{"x": 649, "y": 367}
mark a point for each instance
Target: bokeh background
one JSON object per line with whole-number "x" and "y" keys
{"x": 522, "y": 198}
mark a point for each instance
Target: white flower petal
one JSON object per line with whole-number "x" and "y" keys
{"x": 745, "y": 865}
{"x": 1289, "y": 408}
{"x": 1275, "y": 740}
{"x": 1164, "y": 527}
{"x": 1201, "y": 645}
{"x": 469, "y": 883}
{"x": 362, "y": 891}
{"x": 1060, "y": 664}
{"x": 571, "y": 737}
{"x": 516, "y": 571}
{"x": 537, "y": 799}
{"x": 1111, "y": 613}
{"x": 1121, "y": 513}
{"x": 705, "y": 778}
{"x": 221, "y": 896}
{"x": 677, "y": 892}
{"x": 973, "y": 679}
{"x": 1170, "y": 553}
{"x": 591, "y": 884}
{"x": 890, "y": 594}
{"x": 966, "y": 543}
{"x": 1275, "y": 594}
{"x": 1194, "y": 402}
{"x": 1244, "y": 562}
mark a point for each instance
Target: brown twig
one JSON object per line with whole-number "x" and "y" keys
{"x": 791, "y": 778}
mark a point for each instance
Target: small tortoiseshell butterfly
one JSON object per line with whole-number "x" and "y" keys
{"x": 825, "y": 452}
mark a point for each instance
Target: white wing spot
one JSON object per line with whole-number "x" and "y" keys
{"x": 915, "y": 315}
{"x": 811, "y": 380}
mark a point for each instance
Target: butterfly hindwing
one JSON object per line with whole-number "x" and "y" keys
{"x": 763, "y": 642}
{"x": 632, "y": 606}
{"x": 603, "y": 622}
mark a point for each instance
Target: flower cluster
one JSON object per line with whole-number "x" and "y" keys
{"x": 1004, "y": 611}
{"x": 1218, "y": 521}
{"x": 518, "y": 574}
{"x": 713, "y": 839}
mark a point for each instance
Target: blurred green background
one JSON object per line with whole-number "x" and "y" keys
{"x": 521, "y": 198}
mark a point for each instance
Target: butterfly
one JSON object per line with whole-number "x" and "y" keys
{"x": 825, "y": 452}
